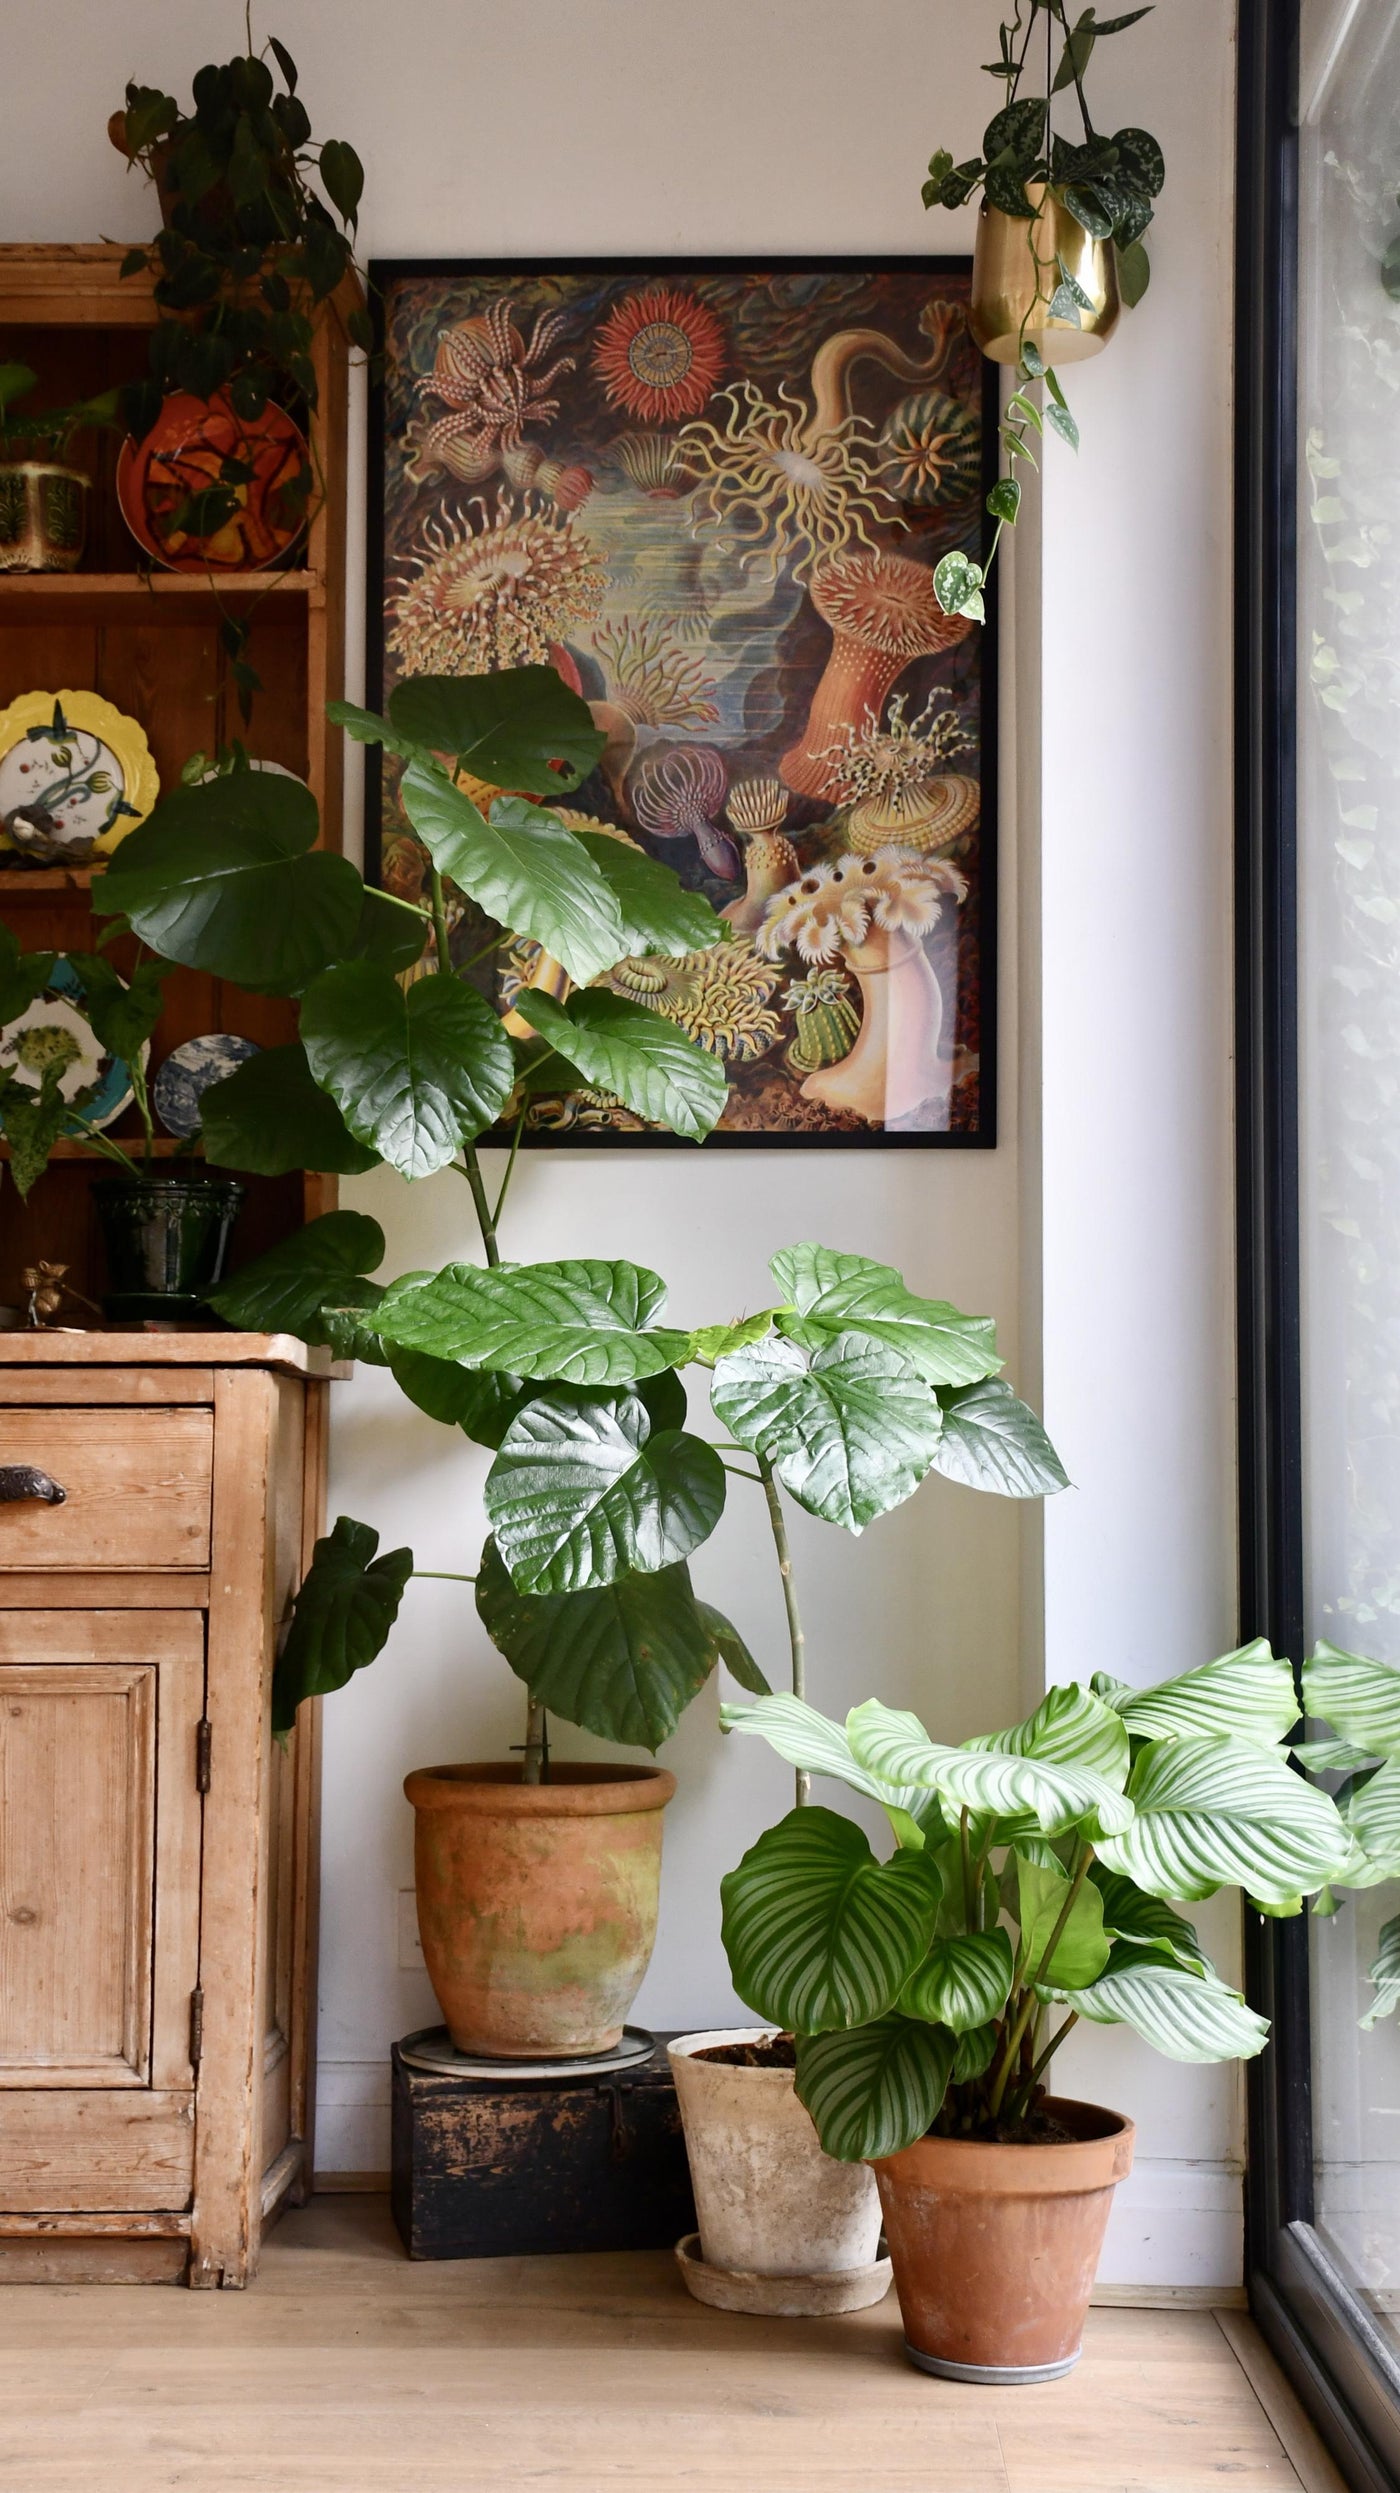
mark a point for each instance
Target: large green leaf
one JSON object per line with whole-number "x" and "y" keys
{"x": 1225, "y": 1812}
{"x": 521, "y": 728}
{"x": 272, "y": 1117}
{"x": 390, "y": 932}
{"x": 1187, "y": 2016}
{"x": 652, "y": 1067}
{"x": 876, "y": 2089}
{"x": 1384, "y": 1972}
{"x": 963, "y": 1981}
{"x": 23, "y": 975}
{"x": 1070, "y": 1727}
{"x": 482, "y": 1402}
{"x": 819, "y": 1933}
{"x": 1248, "y": 1693}
{"x": 285, "y": 1290}
{"x": 1146, "y": 1922}
{"x": 32, "y": 1121}
{"x": 583, "y": 1491}
{"x": 347, "y": 1605}
{"x": 1372, "y": 1811}
{"x": 733, "y": 1652}
{"x": 522, "y": 867}
{"x": 658, "y": 913}
{"x": 844, "y": 1293}
{"x": 623, "y": 1661}
{"x": 896, "y": 1747}
{"x": 803, "y": 1737}
{"x": 415, "y": 1072}
{"x": 850, "y": 1428}
{"x": 1081, "y": 1951}
{"x": 583, "y": 1322}
{"x": 991, "y": 1440}
{"x": 121, "y": 1013}
{"x": 1359, "y": 1698}
{"x": 224, "y": 877}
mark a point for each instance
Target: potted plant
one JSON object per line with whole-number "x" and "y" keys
{"x": 165, "y": 1227}
{"x": 1034, "y": 1883}
{"x": 43, "y": 494}
{"x": 1059, "y": 242}
{"x": 847, "y": 1392}
{"x": 1360, "y": 1700}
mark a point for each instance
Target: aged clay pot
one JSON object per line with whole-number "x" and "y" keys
{"x": 784, "y": 2228}
{"x": 537, "y": 1902}
{"x": 995, "y": 2248}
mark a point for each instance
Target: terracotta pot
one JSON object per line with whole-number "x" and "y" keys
{"x": 995, "y": 2248}
{"x": 783, "y": 2227}
{"x": 537, "y": 1902}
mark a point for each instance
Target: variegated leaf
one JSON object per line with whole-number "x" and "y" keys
{"x": 803, "y": 1737}
{"x": 963, "y": 1982}
{"x": 1359, "y": 1698}
{"x": 896, "y": 1747}
{"x": 1384, "y": 1972}
{"x": 1372, "y": 1811}
{"x": 1070, "y": 1727}
{"x": 1223, "y": 1812}
{"x": 876, "y": 2089}
{"x": 817, "y": 1931}
{"x": 1185, "y": 2016}
{"x": 1248, "y": 1693}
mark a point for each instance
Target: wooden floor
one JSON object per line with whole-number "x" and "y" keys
{"x": 347, "y": 2369}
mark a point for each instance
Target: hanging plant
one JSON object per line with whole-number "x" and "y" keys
{"x": 1085, "y": 204}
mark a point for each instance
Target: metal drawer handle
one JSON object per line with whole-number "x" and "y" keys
{"x": 24, "y": 1480}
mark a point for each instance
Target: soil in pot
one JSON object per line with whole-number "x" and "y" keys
{"x": 775, "y": 2051}
{"x": 996, "y": 2246}
{"x": 537, "y": 1902}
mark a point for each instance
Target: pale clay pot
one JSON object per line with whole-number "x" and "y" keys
{"x": 771, "y": 2206}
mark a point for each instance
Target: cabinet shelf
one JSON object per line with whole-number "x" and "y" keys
{"x": 69, "y": 1147}
{"x": 166, "y": 596}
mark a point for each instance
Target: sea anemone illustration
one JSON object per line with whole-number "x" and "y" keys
{"x": 932, "y": 449}
{"x": 495, "y": 387}
{"x": 659, "y": 354}
{"x": 872, "y": 914}
{"x": 648, "y": 461}
{"x": 720, "y": 998}
{"x": 495, "y": 594}
{"x": 677, "y": 796}
{"x": 650, "y": 678}
{"x": 883, "y": 615}
{"x": 827, "y": 1019}
{"x": 893, "y": 778}
{"x": 772, "y": 486}
{"x": 757, "y": 809}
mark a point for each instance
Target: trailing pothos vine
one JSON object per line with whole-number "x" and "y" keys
{"x": 1110, "y": 184}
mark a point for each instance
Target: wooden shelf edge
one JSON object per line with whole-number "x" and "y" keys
{"x": 70, "y": 1147}
{"x": 45, "y": 1349}
{"x": 65, "y": 587}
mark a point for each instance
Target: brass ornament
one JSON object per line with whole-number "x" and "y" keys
{"x": 1016, "y": 268}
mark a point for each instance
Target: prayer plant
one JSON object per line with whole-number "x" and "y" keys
{"x": 1035, "y": 1883}
{"x": 842, "y": 1395}
{"x": 1360, "y": 1699}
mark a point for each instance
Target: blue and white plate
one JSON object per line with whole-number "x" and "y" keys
{"x": 187, "y": 1074}
{"x": 52, "y": 1030}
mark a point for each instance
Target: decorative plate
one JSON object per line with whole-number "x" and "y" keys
{"x": 187, "y": 1074}
{"x": 52, "y": 1030}
{"x": 75, "y": 776}
{"x": 210, "y": 490}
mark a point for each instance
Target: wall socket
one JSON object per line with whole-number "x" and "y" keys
{"x": 410, "y": 1945}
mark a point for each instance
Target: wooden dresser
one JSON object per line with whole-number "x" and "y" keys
{"x": 157, "y": 1847}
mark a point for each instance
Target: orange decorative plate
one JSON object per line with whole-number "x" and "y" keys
{"x": 210, "y": 490}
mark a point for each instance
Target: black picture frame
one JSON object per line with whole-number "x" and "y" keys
{"x": 383, "y": 276}
{"x": 1321, "y": 2331}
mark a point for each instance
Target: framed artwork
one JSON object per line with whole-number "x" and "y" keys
{"x": 713, "y": 495}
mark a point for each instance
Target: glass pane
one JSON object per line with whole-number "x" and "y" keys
{"x": 1349, "y": 836}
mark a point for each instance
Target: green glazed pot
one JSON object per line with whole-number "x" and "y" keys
{"x": 165, "y": 1238}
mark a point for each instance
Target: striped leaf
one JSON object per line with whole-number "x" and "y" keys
{"x": 583, "y": 1490}
{"x": 1224, "y": 1813}
{"x": 585, "y": 1323}
{"x": 896, "y": 1747}
{"x": 1146, "y": 1922}
{"x": 1372, "y": 1811}
{"x": 1333, "y": 1757}
{"x": 875, "y": 2090}
{"x": 974, "y": 2053}
{"x": 1070, "y": 1727}
{"x": 963, "y": 1982}
{"x": 850, "y": 1428}
{"x": 817, "y": 1931}
{"x": 1385, "y": 1974}
{"x": 848, "y": 1293}
{"x": 1360, "y": 1699}
{"x": 1186, "y": 2016}
{"x": 803, "y": 1737}
{"x": 1249, "y": 1694}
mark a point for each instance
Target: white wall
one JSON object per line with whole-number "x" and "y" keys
{"x": 658, "y": 126}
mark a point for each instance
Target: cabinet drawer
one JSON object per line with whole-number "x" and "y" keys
{"x": 136, "y": 1488}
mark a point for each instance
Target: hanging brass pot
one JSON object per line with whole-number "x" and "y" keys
{"x": 1015, "y": 270}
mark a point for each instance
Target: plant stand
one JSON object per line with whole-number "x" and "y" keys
{"x": 586, "y": 2160}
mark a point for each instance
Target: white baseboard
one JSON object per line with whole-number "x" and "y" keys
{"x": 352, "y": 2117}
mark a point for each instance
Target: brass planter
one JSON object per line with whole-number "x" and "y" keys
{"x": 1011, "y": 294}
{"x": 43, "y": 515}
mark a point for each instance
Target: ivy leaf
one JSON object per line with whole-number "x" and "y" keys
{"x": 271, "y": 1117}
{"x": 583, "y": 1491}
{"x": 1135, "y": 273}
{"x": 344, "y": 178}
{"x": 284, "y": 1290}
{"x": 622, "y": 1660}
{"x": 653, "y": 1068}
{"x": 416, "y": 1072}
{"x": 958, "y": 585}
{"x": 1004, "y": 500}
{"x": 345, "y": 1610}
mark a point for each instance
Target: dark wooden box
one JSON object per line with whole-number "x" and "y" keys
{"x": 489, "y": 2166}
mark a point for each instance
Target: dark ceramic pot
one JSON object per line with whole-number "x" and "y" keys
{"x": 165, "y": 1237}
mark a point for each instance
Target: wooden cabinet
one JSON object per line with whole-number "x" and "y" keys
{"x": 157, "y": 1848}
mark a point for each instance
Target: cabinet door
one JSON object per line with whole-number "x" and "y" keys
{"x": 100, "y": 1820}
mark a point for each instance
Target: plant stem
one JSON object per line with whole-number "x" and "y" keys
{"x": 1026, "y": 2008}
{"x": 470, "y": 1168}
{"x": 510, "y": 1167}
{"x": 444, "y": 953}
{"x": 796, "y": 1639}
{"x": 740, "y": 1474}
{"x": 536, "y": 1762}
{"x": 104, "y": 1146}
{"x": 1053, "y": 2046}
{"x": 441, "y": 1575}
{"x": 414, "y": 907}
{"x": 965, "y": 1847}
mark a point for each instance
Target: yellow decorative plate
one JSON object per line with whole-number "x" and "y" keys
{"x": 75, "y": 776}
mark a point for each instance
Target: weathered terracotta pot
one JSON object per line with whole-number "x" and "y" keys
{"x": 537, "y": 1902}
{"x": 784, "y": 2228}
{"x": 995, "y": 2248}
